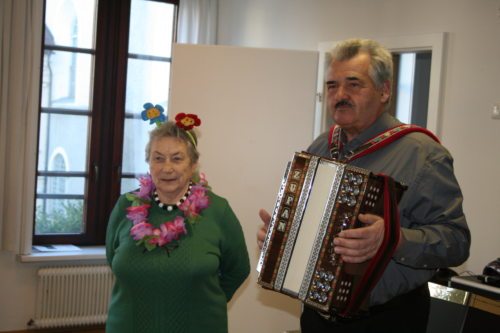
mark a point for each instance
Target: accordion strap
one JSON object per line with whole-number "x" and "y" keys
{"x": 384, "y": 254}
{"x": 381, "y": 140}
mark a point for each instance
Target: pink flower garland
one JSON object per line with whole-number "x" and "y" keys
{"x": 145, "y": 233}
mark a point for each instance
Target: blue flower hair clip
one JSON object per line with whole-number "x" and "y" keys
{"x": 153, "y": 113}
{"x": 186, "y": 122}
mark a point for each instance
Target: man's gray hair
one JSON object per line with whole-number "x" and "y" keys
{"x": 381, "y": 67}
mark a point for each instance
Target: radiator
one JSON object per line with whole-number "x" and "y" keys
{"x": 72, "y": 296}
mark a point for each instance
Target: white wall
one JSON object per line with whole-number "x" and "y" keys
{"x": 471, "y": 76}
{"x": 471, "y": 87}
{"x": 471, "y": 84}
{"x": 255, "y": 115}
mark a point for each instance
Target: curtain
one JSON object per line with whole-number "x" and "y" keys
{"x": 20, "y": 40}
{"x": 197, "y": 22}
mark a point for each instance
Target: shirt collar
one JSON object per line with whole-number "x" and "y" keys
{"x": 384, "y": 122}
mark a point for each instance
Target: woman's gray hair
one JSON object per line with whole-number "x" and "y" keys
{"x": 169, "y": 129}
{"x": 380, "y": 58}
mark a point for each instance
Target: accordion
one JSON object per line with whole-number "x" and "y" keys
{"x": 318, "y": 198}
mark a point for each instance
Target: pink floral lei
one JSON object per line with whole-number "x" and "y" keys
{"x": 166, "y": 235}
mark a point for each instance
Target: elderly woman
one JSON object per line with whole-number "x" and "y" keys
{"x": 176, "y": 248}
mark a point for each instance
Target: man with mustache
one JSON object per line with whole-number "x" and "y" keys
{"x": 434, "y": 232}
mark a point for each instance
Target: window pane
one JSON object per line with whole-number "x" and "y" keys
{"x": 151, "y": 31}
{"x": 151, "y": 25}
{"x": 147, "y": 81}
{"x": 148, "y": 72}
{"x": 59, "y": 216}
{"x": 63, "y": 135}
{"x": 66, "y": 79}
{"x": 405, "y": 87}
{"x": 54, "y": 185}
{"x": 134, "y": 143}
{"x": 70, "y": 23}
{"x": 128, "y": 185}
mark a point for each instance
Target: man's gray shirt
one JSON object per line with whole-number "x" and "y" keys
{"x": 433, "y": 224}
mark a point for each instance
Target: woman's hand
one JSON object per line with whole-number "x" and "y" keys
{"x": 261, "y": 233}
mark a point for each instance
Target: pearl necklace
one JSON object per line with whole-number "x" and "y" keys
{"x": 169, "y": 207}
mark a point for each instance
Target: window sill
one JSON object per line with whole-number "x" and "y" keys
{"x": 83, "y": 253}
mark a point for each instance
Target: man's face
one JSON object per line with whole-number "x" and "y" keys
{"x": 352, "y": 98}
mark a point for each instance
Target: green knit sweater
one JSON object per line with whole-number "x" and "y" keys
{"x": 185, "y": 290}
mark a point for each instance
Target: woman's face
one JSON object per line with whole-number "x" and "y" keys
{"x": 171, "y": 168}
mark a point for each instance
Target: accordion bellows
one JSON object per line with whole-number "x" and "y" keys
{"x": 318, "y": 198}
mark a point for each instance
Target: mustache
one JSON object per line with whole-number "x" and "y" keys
{"x": 343, "y": 103}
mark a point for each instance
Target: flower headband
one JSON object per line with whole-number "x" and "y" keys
{"x": 185, "y": 121}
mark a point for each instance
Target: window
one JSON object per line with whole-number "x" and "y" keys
{"x": 102, "y": 60}
{"x": 411, "y": 85}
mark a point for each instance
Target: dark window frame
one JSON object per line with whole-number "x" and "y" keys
{"x": 107, "y": 122}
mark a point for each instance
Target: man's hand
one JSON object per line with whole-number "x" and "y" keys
{"x": 261, "y": 233}
{"x": 361, "y": 244}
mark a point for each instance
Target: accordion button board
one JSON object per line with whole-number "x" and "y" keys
{"x": 318, "y": 198}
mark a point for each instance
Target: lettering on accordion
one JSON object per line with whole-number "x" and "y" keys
{"x": 317, "y": 199}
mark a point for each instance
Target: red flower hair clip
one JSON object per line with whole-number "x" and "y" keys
{"x": 187, "y": 121}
